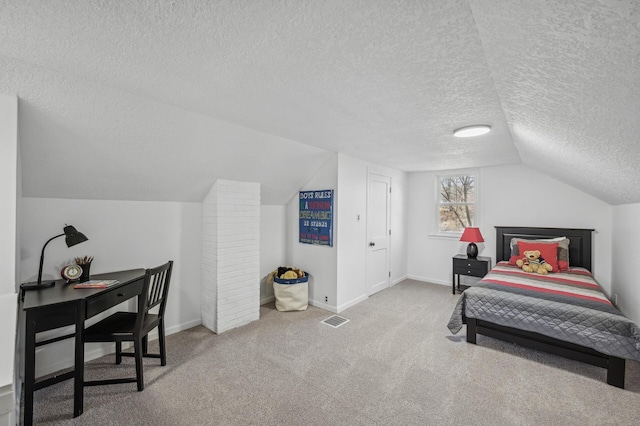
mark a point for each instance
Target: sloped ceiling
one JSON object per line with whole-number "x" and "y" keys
{"x": 155, "y": 100}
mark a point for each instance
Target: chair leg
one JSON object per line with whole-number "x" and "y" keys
{"x": 138, "y": 355}
{"x": 118, "y": 352}
{"x": 145, "y": 345}
{"x": 163, "y": 351}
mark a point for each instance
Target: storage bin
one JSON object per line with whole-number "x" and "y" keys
{"x": 291, "y": 295}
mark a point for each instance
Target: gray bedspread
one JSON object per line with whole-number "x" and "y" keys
{"x": 553, "y": 306}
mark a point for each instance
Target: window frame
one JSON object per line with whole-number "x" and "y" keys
{"x": 476, "y": 204}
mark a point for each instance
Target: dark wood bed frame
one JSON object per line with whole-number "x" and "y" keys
{"x": 579, "y": 255}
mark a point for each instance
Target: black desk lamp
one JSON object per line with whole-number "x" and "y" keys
{"x": 73, "y": 237}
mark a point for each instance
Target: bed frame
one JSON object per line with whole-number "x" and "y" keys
{"x": 579, "y": 255}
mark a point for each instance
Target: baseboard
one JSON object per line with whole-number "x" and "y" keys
{"x": 351, "y": 303}
{"x": 153, "y": 335}
{"x": 340, "y": 308}
{"x": 399, "y": 280}
{"x": 267, "y": 299}
{"x": 180, "y": 327}
{"x": 324, "y": 306}
{"x": 429, "y": 280}
{"x": 61, "y": 364}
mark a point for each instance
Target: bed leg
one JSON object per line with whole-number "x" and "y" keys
{"x": 615, "y": 371}
{"x": 471, "y": 330}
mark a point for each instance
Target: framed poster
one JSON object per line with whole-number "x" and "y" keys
{"x": 316, "y": 217}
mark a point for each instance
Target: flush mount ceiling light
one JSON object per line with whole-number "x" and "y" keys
{"x": 469, "y": 131}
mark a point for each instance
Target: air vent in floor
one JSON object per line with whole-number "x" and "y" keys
{"x": 335, "y": 321}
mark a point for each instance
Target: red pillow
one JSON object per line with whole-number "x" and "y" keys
{"x": 549, "y": 252}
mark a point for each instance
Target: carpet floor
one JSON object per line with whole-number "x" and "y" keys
{"x": 394, "y": 363}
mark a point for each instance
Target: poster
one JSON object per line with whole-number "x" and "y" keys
{"x": 316, "y": 217}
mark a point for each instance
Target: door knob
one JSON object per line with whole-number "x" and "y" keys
{"x": 371, "y": 244}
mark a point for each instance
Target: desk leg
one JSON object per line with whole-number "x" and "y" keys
{"x": 78, "y": 384}
{"x": 29, "y": 369}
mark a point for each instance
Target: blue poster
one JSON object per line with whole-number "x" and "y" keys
{"x": 316, "y": 217}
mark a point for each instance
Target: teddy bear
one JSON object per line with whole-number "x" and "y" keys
{"x": 533, "y": 262}
{"x": 286, "y": 273}
{"x": 289, "y": 275}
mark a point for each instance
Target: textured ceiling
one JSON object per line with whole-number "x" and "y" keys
{"x": 155, "y": 100}
{"x": 568, "y": 76}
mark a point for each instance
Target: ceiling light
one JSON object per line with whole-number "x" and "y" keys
{"x": 469, "y": 131}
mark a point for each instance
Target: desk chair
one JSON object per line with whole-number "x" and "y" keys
{"x": 135, "y": 326}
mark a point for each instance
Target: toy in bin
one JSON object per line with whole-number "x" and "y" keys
{"x": 290, "y": 287}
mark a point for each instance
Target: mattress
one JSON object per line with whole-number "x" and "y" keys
{"x": 569, "y": 306}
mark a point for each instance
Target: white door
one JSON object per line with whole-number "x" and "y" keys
{"x": 378, "y": 224}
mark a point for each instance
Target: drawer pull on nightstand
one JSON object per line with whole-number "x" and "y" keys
{"x": 371, "y": 244}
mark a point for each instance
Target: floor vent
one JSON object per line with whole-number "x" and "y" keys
{"x": 335, "y": 321}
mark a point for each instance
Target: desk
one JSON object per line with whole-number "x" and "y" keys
{"x": 61, "y": 306}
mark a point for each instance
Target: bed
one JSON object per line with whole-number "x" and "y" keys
{"x": 564, "y": 313}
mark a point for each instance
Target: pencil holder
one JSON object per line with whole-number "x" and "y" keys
{"x": 85, "y": 263}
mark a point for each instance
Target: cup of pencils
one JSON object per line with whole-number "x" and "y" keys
{"x": 85, "y": 264}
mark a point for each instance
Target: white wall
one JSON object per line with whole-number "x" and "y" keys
{"x": 122, "y": 235}
{"x": 338, "y": 272}
{"x": 624, "y": 264}
{"x": 273, "y": 246}
{"x": 8, "y": 191}
{"x": 9, "y": 246}
{"x": 399, "y": 222}
{"x": 506, "y": 199}
{"x": 351, "y": 240}
{"x": 352, "y": 234}
{"x": 319, "y": 261}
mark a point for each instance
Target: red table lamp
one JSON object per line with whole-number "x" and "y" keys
{"x": 472, "y": 236}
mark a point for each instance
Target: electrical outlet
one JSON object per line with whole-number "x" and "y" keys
{"x": 326, "y": 298}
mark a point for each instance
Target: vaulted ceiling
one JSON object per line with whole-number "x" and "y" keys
{"x": 156, "y": 100}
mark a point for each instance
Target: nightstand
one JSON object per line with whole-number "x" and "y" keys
{"x": 463, "y": 265}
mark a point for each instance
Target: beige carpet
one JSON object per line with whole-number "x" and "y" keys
{"x": 393, "y": 363}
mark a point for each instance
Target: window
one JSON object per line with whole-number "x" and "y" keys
{"x": 456, "y": 202}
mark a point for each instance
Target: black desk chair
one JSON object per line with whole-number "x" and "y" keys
{"x": 135, "y": 326}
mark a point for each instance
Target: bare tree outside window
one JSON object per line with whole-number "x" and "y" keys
{"x": 457, "y": 202}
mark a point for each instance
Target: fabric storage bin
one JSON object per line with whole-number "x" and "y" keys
{"x": 291, "y": 295}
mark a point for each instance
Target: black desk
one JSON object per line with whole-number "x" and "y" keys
{"x": 61, "y": 306}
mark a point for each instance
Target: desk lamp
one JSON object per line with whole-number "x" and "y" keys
{"x": 73, "y": 237}
{"x": 472, "y": 236}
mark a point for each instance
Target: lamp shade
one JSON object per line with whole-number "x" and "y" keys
{"x": 73, "y": 237}
{"x": 472, "y": 235}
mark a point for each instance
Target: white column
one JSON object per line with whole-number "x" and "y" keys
{"x": 231, "y": 255}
